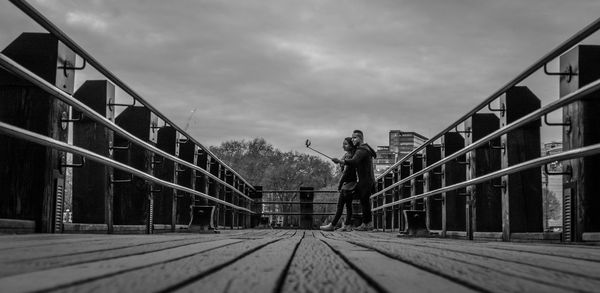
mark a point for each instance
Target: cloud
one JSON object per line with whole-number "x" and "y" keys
{"x": 292, "y": 70}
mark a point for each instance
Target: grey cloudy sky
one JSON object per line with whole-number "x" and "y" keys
{"x": 292, "y": 70}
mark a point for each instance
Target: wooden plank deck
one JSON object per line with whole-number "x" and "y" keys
{"x": 290, "y": 261}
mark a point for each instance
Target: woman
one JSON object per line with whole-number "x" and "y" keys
{"x": 346, "y": 188}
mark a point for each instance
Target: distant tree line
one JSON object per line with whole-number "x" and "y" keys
{"x": 261, "y": 164}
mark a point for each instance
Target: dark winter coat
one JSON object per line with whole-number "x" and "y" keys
{"x": 348, "y": 173}
{"x": 363, "y": 162}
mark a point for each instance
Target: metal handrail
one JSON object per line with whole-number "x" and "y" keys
{"x": 570, "y": 154}
{"x": 24, "y": 73}
{"x": 574, "y": 40}
{"x": 50, "y": 27}
{"x": 21, "y": 133}
{"x": 296, "y": 191}
{"x": 298, "y": 202}
{"x": 576, "y": 95}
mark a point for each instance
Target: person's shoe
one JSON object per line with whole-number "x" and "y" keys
{"x": 361, "y": 228}
{"x": 327, "y": 227}
{"x": 369, "y": 227}
{"x": 345, "y": 228}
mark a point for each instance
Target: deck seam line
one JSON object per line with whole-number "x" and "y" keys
{"x": 82, "y": 281}
{"x": 217, "y": 267}
{"x": 283, "y": 276}
{"x": 370, "y": 281}
{"x": 472, "y": 264}
{"x": 437, "y": 273}
{"x": 498, "y": 258}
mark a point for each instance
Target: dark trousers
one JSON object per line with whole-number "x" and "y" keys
{"x": 344, "y": 199}
{"x": 365, "y": 203}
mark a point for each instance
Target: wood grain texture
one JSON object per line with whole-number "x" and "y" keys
{"x": 52, "y": 278}
{"x": 175, "y": 273}
{"x": 259, "y": 271}
{"x": 481, "y": 272}
{"x": 317, "y": 268}
{"x": 389, "y": 273}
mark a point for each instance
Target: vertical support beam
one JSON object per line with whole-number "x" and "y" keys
{"x": 92, "y": 189}
{"x": 396, "y": 196}
{"x": 255, "y": 219}
{"x": 484, "y": 212}
{"x": 433, "y": 181}
{"x": 228, "y": 215}
{"x": 165, "y": 206}
{"x": 522, "y": 208}
{"x": 454, "y": 201}
{"x": 581, "y": 220}
{"x": 32, "y": 179}
{"x": 388, "y": 196}
{"x": 377, "y": 201}
{"x": 186, "y": 177}
{"x": 133, "y": 201}
{"x": 405, "y": 192}
{"x": 307, "y": 195}
{"x": 202, "y": 180}
{"x": 417, "y": 183}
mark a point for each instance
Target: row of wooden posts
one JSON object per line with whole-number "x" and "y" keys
{"x": 513, "y": 203}
{"x": 32, "y": 178}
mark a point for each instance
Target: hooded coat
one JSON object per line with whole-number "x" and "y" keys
{"x": 363, "y": 162}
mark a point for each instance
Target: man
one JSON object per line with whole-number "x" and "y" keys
{"x": 363, "y": 162}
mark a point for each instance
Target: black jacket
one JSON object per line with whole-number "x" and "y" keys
{"x": 363, "y": 162}
{"x": 348, "y": 173}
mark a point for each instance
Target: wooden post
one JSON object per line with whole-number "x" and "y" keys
{"x": 522, "y": 209}
{"x": 417, "y": 183}
{"x": 307, "y": 195}
{"x": 186, "y": 177}
{"x": 228, "y": 215}
{"x": 255, "y": 220}
{"x": 454, "y": 201}
{"x": 92, "y": 189}
{"x": 484, "y": 212}
{"x": 396, "y": 193}
{"x": 376, "y": 202}
{"x": 387, "y": 213}
{"x": 133, "y": 201}
{"x": 581, "y": 220}
{"x": 32, "y": 178}
{"x": 404, "y": 192}
{"x": 165, "y": 201}
{"x": 433, "y": 180}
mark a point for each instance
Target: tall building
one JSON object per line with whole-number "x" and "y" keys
{"x": 401, "y": 143}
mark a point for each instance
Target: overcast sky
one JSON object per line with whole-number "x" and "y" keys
{"x": 292, "y": 70}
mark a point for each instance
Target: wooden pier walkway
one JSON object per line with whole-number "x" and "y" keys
{"x": 290, "y": 261}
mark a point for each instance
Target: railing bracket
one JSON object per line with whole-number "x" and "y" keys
{"x": 569, "y": 73}
{"x": 502, "y": 109}
{"x": 68, "y": 66}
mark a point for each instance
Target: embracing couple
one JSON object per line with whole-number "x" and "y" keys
{"x": 358, "y": 180}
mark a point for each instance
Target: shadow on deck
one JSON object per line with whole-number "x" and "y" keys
{"x": 290, "y": 261}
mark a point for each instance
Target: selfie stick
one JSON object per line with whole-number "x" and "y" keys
{"x": 308, "y": 146}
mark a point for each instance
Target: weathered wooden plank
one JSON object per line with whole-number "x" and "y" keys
{"x": 175, "y": 273}
{"x": 259, "y": 271}
{"x": 391, "y": 274}
{"x": 480, "y": 272}
{"x": 85, "y": 254}
{"x": 316, "y": 268}
{"x": 64, "y": 276}
{"x": 586, "y": 269}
